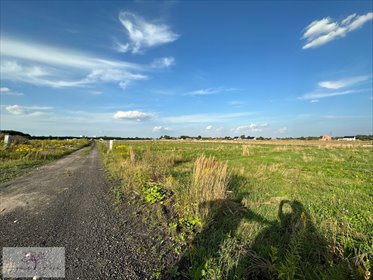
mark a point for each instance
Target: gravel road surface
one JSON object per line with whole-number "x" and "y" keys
{"x": 68, "y": 204}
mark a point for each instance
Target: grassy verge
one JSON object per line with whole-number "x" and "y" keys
{"x": 239, "y": 211}
{"x": 18, "y": 159}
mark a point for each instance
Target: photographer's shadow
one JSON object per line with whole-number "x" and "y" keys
{"x": 292, "y": 235}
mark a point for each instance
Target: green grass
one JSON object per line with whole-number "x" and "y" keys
{"x": 18, "y": 159}
{"x": 292, "y": 211}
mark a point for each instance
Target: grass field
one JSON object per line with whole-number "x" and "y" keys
{"x": 19, "y": 158}
{"x": 256, "y": 210}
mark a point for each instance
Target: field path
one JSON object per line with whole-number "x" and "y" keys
{"x": 68, "y": 204}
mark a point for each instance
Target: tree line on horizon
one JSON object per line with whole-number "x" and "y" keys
{"x": 362, "y": 137}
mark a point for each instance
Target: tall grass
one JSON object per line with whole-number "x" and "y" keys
{"x": 210, "y": 182}
{"x": 245, "y": 150}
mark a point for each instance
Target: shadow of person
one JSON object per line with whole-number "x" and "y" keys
{"x": 289, "y": 245}
{"x": 222, "y": 223}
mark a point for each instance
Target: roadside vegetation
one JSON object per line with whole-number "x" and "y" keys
{"x": 20, "y": 156}
{"x": 255, "y": 211}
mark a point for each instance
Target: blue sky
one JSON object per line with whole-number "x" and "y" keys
{"x": 138, "y": 68}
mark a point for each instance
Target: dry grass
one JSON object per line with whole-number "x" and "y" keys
{"x": 132, "y": 155}
{"x": 281, "y": 149}
{"x": 245, "y": 150}
{"x": 209, "y": 184}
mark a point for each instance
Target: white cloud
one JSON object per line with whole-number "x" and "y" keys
{"x": 7, "y": 91}
{"x": 27, "y": 110}
{"x": 343, "y": 82}
{"x": 320, "y": 32}
{"x": 58, "y": 57}
{"x": 209, "y": 127}
{"x": 282, "y": 130}
{"x": 55, "y": 67}
{"x": 208, "y": 91}
{"x": 132, "y": 115}
{"x": 319, "y": 95}
{"x": 144, "y": 34}
{"x": 328, "y": 88}
{"x": 4, "y": 89}
{"x": 122, "y": 48}
{"x": 163, "y": 62}
{"x": 161, "y": 129}
{"x": 16, "y": 110}
{"x": 251, "y": 127}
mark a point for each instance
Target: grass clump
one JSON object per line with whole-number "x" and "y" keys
{"x": 209, "y": 183}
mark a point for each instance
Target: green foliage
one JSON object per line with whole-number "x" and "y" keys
{"x": 153, "y": 193}
{"x": 190, "y": 224}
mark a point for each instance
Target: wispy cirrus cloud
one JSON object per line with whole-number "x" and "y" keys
{"x": 27, "y": 110}
{"x": 336, "y": 88}
{"x": 44, "y": 65}
{"x": 343, "y": 82}
{"x": 320, "y": 32}
{"x": 209, "y": 91}
{"x": 8, "y": 91}
{"x": 132, "y": 116}
{"x": 143, "y": 34}
{"x": 318, "y": 95}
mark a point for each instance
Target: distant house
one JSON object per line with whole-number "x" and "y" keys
{"x": 326, "y": 138}
{"x": 347, "y": 138}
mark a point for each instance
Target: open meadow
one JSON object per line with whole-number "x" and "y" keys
{"x": 255, "y": 209}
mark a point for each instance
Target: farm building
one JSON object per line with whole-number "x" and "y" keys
{"x": 347, "y": 138}
{"x": 326, "y": 138}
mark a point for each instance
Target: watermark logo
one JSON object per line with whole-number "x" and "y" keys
{"x": 34, "y": 262}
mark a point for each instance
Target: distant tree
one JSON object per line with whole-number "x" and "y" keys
{"x": 243, "y": 136}
{"x": 364, "y": 137}
{"x": 15, "y": 133}
{"x": 199, "y": 137}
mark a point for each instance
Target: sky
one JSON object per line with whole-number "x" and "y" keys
{"x": 224, "y": 68}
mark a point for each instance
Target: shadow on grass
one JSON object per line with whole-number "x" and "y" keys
{"x": 287, "y": 248}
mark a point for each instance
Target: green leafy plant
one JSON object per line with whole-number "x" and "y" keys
{"x": 153, "y": 193}
{"x": 190, "y": 224}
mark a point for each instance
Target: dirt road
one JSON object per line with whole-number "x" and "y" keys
{"x": 68, "y": 204}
